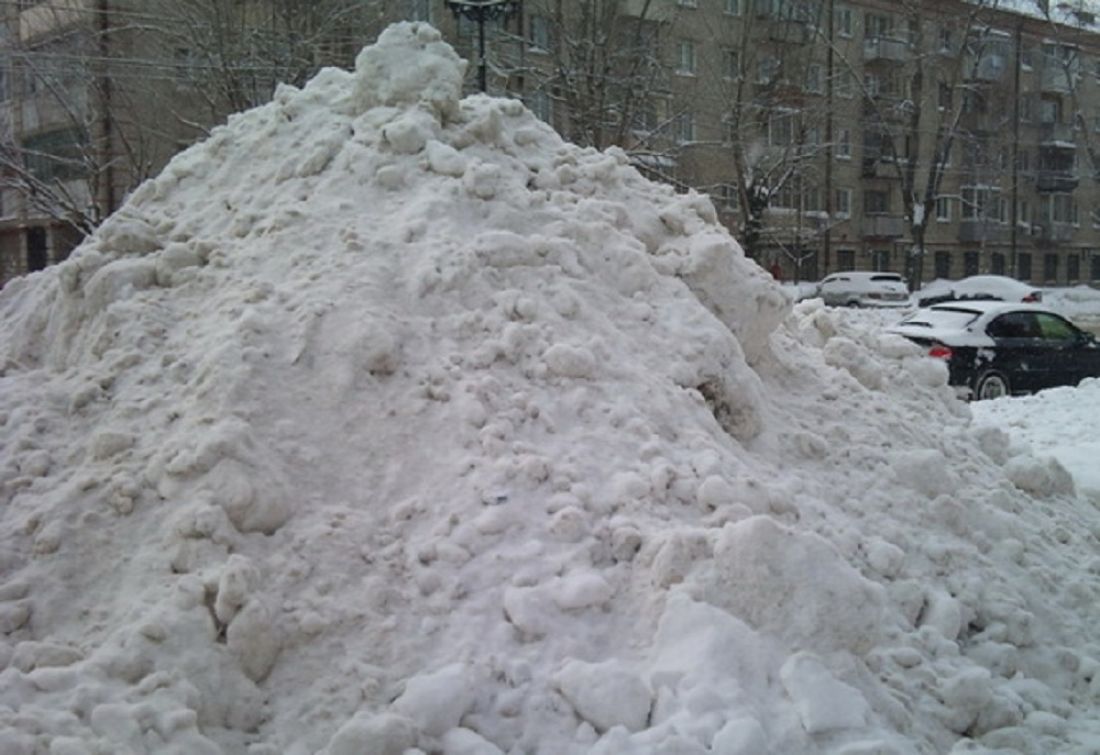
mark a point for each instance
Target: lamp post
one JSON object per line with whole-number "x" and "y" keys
{"x": 481, "y": 11}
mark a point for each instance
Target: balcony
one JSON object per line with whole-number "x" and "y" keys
{"x": 788, "y": 31}
{"x": 1054, "y": 80}
{"x": 982, "y": 230}
{"x": 1053, "y": 232}
{"x": 1056, "y": 180}
{"x": 1057, "y": 135}
{"x": 990, "y": 68}
{"x": 879, "y": 168}
{"x": 883, "y": 226}
{"x": 882, "y": 48}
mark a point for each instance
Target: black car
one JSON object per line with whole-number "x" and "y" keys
{"x": 998, "y": 349}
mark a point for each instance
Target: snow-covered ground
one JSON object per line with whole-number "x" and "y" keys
{"x": 385, "y": 421}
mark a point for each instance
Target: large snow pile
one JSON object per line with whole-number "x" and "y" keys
{"x": 386, "y": 420}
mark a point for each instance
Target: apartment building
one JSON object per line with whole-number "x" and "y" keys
{"x": 938, "y": 138}
{"x": 97, "y": 95}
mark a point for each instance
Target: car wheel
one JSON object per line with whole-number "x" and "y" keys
{"x": 991, "y": 385}
{"x": 854, "y": 303}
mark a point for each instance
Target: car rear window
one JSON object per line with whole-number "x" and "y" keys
{"x": 947, "y": 319}
{"x": 891, "y": 278}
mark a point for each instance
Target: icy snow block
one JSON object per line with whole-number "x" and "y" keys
{"x": 823, "y": 702}
{"x": 410, "y": 64}
{"x": 436, "y": 702}
{"x": 605, "y": 694}
{"x": 385, "y": 734}
{"x": 796, "y": 585}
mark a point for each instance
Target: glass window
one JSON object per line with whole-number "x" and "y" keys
{"x": 942, "y": 264}
{"x": 943, "y": 209}
{"x": 1050, "y": 267}
{"x": 843, "y": 20}
{"x": 686, "y": 64}
{"x": 843, "y": 203}
{"x": 733, "y": 7}
{"x": 1073, "y": 268}
{"x": 997, "y": 263}
{"x": 1054, "y": 328}
{"x": 970, "y": 264}
{"x": 1023, "y": 266}
{"x": 846, "y": 260}
{"x": 1014, "y": 325}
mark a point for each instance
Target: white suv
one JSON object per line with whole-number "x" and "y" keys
{"x": 851, "y": 289}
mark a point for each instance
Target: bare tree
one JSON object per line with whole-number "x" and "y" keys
{"x": 600, "y": 64}
{"x": 936, "y": 70}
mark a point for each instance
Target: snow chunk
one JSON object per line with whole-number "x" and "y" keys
{"x": 383, "y": 734}
{"x": 605, "y": 694}
{"x": 570, "y": 361}
{"x": 437, "y": 701}
{"x": 1043, "y": 477}
{"x": 795, "y": 584}
{"x": 383, "y": 76}
{"x": 823, "y": 702}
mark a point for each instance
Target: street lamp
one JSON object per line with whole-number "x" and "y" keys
{"x": 481, "y": 11}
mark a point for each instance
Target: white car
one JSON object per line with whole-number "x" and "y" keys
{"x": 852, "y": 289}
{"x": 978, "y": 287}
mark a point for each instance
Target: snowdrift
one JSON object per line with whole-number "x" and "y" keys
{"x": 385, "y": 420}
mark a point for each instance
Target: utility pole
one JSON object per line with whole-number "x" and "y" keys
{"x": 481, "y": 11}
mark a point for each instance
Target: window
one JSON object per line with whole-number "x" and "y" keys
{"x": 418, "y": 10}
{"x": 1094, "y": 266}
{"x": 1023, "y": 212}
{"x": 732, "y": 60}
{"x": 1023, "y": 266}
{"x": 1073, "y": 268}
{"x": 842, "y": 203}
{"x": 688, "y": 3}
{"x": 846, "y": 260}
{"x": 876, "y": 202}
{"x": 685, "y": 127}
{"x": 943, "y": 211}
{"x": 845, "y": 83}
{"x": 980, "y": 202}
{"x": 540, "y": 33}
{"x": 1094, "y": 215}
{"x": 1050, "y": 267}
{"x": 997, "y": 263}
{"x": 56, "y": 154}
{"x": 686, "y": 64}
{"x": 970, "y": 264}
{"x": 767, "y": 69}
{"x": 814, "y": 78}
{"x": 1027, "y": 109}
{"x": 881, "y": 260}
{"x": 946, "y": 40}
{"x": 842, "y": 20}
{"x": 877, "y": 25}
{"x": 942, "y": 264}
{"x": 944, "y": 102}
{"x": 1027, "y": 57}
{"x": 733, "y": 7}
{"x": 781, "y": 129}
{"x": 728, "y": 192}
{"x": 541, "y": 105}
{"x": 844, "y": 144}
{"x": 1058, "y": 208}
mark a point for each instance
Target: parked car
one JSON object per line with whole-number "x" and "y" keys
{"x": 996, "y": 349}
{"x": 852, "y": 289}
{"x": 991, "y": 287}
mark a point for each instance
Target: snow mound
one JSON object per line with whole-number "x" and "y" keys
{"x": 386, "y": 420}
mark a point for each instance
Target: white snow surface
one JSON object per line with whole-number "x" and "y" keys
{"x": 385, "y": 421}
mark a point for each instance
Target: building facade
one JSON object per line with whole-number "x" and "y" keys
{"x": 936, "y": 138}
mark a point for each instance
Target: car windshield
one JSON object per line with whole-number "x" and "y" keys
{"x": 942, "y": 319}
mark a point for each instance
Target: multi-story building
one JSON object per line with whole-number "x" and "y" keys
{"x": 938, "y": 138}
